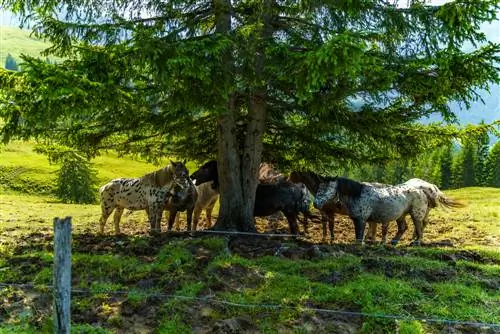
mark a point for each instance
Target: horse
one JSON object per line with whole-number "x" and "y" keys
{"x": 380, "y": 205}
{"x": 207, "y": 197}
{"x": 182, "y": 199}
{"x": 291, "y": 199}
{"x": 435, "y": 198}
{"x": 149, "y": 192}
{"x": 268, "y": 174}
{"x": 312, "y": 182}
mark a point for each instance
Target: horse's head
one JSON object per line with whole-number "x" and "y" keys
{"x": 180, "y": 173}
{"x": 310, "y": 179}
{"x": 207, "y": 173}
{"x": 327, "y": 193}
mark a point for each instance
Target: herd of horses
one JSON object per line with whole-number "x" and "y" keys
{"x": 173, "y": 189}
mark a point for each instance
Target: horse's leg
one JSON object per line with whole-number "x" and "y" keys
{"x": 292, "y": 222}
{"x": 155, "y": 212}
{"x": 177, "y": 222}
{"x": 417, "y": 222}
{"x": 324, "y": 221}
{"x": 372, "y": 231}
{"x": 196, "y": 216}
{"x": 402, "y": 227}
{"x": 106, "y": 211}
{"x": 331, "y": 223}
{"x": 425, "y": 221}
{"x": 208, "y": 214}
{"x": 171, "y": 218}
{"x": 359, "y": 229}
{"x": 116, "y": 218}
{"x": 385, "y": 228}
{"x": 189, "y": 217}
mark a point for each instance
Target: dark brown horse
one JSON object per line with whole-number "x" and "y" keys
{"x": 289, "y": 198}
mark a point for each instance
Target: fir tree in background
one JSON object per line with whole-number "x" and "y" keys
{"x": 76, "y": 180}
{"x": 10, "y": 63}
{"x": 481, "y": 173}
{"x": 445, "y": 166}
{"x": 492, "y": 166}
{"x": 468, "y": 164}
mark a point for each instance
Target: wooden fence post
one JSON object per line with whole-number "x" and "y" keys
{"x": 62, "y": 275}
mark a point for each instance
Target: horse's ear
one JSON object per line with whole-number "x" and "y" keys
{"x": 173, "y": 163}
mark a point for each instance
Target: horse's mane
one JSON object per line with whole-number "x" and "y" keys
{"x": 348, "y": 187}
{"x": 158, "y": 178}
{"x": 310, "y": 179}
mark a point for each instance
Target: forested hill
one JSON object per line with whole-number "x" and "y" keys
{"x": 16, "y": 41}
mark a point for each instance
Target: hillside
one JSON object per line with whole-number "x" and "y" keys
{"x": 16, "y": 42}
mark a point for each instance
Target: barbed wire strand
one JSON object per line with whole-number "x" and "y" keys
{"x": 267, "y": 306}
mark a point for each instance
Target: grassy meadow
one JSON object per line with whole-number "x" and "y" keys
{"x": 17, "y": 41}
{"x": 136, "y": 283}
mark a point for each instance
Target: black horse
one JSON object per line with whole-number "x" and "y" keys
{"x": 289, "y": 198}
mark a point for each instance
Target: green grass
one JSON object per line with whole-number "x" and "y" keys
{"x": 476, "y": 224}
{"x": 128, "y": 277}
{"x": 17, "y": 41}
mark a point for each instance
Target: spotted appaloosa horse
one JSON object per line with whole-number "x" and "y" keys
{"x": 435, "y": 198}
{"x": 328, "y": 211}
{"x": 148, "y": 192}
{"x": 380, "y": 205}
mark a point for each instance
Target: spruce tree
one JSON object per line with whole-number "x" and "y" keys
{"x": 492, "y": 166}
{"x": 481, "y": 173}
{"x": 10, "y": 63}
{"x": 314, "y": 84}
{"x": 445, "y": 164}
{"x": 468, "y": 164}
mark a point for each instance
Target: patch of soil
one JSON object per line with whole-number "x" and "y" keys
{"x": 392, "y": 269}
{"x": 467, "y": 255}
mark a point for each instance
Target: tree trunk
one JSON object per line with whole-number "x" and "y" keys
{"x": 232, "y": 212}
{"x": 238, "y": 173}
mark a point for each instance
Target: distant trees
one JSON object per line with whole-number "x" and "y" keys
{"x": 10, "y": 63}
{"x": 492, "y": 166}
{"x": 472, "y": 162}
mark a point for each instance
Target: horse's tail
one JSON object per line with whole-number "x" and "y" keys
{"x": 449, "y": 202}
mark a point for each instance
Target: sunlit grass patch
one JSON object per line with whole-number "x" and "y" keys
{"x": 477, "y": 223}
{"x": 459, "y": 302}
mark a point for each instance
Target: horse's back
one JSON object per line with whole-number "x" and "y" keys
{"x": 124, "y": 192}
{"x": 390, "y": 203}
{"x": 284, "y": 196}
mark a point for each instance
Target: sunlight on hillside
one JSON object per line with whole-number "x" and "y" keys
{"x": 17, "y": 41}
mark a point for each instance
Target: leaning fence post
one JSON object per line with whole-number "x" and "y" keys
{"x": 62, "y": 275}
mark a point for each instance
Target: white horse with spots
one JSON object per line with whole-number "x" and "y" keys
{"x": 148, "y": 192}
{"x": 379, "y": 205}
{"x": 435, "y": 198}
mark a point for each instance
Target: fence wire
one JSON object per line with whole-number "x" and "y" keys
{"x": 214, "y": 300}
